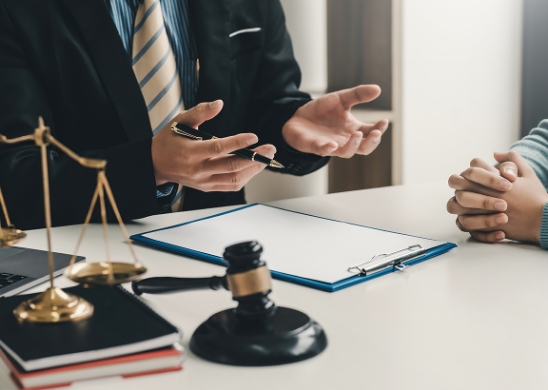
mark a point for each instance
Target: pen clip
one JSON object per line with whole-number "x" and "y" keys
{"x": 386, "y": 260}
{"x": 176, "y": 130}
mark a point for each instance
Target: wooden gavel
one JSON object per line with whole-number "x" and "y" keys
{"x": 256, "y": 332}
{"x": 247, "y": 278}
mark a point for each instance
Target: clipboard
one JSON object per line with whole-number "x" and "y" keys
{"x": 311, "y": 251}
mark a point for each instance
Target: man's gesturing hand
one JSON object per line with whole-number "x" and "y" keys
{"x": 204, "y": 165}
{"x": 325, "y": 126}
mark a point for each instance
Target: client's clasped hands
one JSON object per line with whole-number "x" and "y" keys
{"x": 500, "y": 202}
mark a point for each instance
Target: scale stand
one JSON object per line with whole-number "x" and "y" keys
{"x": 55, "y": 305}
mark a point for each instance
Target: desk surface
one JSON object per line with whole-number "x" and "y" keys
{"x": 473, "y": 318}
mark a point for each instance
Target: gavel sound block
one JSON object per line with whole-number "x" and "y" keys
{"x": 256, "y": 332}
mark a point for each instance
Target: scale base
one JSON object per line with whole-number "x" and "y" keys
{"x": 10, "y": 236}
{"x": 53, "y": 305}
{"x": 287, "y": 336}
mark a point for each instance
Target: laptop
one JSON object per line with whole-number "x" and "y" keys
{"x": 23, "y": 268}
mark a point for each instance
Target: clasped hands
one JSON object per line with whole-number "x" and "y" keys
{"x": 323, "y": 126}
{"x": 500, "y": 202}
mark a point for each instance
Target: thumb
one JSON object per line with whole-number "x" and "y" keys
{"x": 200, "y": 113}
{"x": 523, "y": 168}
{"x": 360, "y": 94}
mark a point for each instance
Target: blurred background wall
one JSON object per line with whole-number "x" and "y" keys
{"x": 460, "y": 80}
{"x": 534, "y": 100}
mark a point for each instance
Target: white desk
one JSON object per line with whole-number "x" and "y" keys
{"x": 473, "y": 318}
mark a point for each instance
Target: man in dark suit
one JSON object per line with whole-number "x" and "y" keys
{"x": 67, "y": 60}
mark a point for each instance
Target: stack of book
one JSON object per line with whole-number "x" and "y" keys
{"x": 124, "y": 337}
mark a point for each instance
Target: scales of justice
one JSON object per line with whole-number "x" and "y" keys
{"x": 54, "y": 304}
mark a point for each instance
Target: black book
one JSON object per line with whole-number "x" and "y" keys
{"x": 121, "y": 324}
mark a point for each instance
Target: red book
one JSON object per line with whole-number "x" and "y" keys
{"x": 144, "y": 363}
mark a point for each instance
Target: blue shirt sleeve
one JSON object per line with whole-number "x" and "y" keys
{"x": 165, "y": 190}
{"x": 534, "y": 149}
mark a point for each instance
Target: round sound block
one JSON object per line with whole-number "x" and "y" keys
{"x": 287, "y": 336}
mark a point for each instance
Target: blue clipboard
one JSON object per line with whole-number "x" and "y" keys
{"x": 329, "y": 287}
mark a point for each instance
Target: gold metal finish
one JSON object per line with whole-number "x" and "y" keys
{"x": 253, "y": 156}
{"x": 104, "y": 273}
{"x": 53, "y": 305}
{"x": 4, "y": 208}
{"x": 250, "y": 282}
{"x": 47, "y": 208}
{"x": 176, "y": 130}
{"x": 8, "y": 235}
{"x": 276, "y": 164}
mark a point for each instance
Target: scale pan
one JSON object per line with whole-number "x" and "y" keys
{"x": 10, "y": 236}
{"x": 104, "y": 273}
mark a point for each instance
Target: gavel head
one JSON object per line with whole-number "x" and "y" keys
{"x": 256, "y": 333}
{"x": 249, "y": 280}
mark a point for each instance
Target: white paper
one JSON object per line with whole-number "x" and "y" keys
{"x": 293, "y": 243}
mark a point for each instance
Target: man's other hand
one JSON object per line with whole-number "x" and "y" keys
{"x": 325, "y": 126}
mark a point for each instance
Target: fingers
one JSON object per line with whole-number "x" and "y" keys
{"x": 370, "y": 143}
{"x": 359, "y": 143}
{"x": 453, "y": 207}
{"x": 458, "y": 182}
{"x": 472, "y": 223}
{"x": 473, "y": 200}
{"x": 351, "y": 147}
{"x": 234, "y": 164}
{"x": 487, "y": 178}
{"x": 366, "y": 128}
{"x": 492, "y": 237}
{"x": 200, "y": 113}
{"x": 223, "y": 146}
{"x": 479, "y": 163}
{"x": 372, "y": 136}
{"x": 509, "y": 170}
{"x": 234, "y": 181}
{"x": 483, "y": 236}
{"x": 523, "y": 169}
{"x": 360, "y": 94}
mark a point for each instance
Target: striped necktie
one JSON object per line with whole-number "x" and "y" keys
{"x": 154, "y": 65}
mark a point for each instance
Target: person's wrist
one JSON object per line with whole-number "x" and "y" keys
{"x": 156, "y": 158}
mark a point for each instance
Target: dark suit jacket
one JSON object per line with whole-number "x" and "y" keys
{"x": 64, "y": 60}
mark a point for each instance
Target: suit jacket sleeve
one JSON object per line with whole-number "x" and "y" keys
{"x": 276, "y": 95}
{"x": 22, "y": 100}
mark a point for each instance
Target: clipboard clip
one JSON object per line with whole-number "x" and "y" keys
{"x": 387, "y": 260}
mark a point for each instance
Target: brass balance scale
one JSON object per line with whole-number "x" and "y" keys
{"x": 54, "y": 304}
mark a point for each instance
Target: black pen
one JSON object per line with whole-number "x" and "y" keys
{"x": 189, "y": 132}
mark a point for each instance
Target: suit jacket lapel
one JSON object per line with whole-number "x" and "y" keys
{"x": 113, "y": 65}
{"x": 210, "y": 21}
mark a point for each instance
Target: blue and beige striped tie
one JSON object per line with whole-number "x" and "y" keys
{"x": 154, "y": 65}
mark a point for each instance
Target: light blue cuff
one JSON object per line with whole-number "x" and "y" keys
{"x": 544, "y": 227}
{"x": 164, "y": 190}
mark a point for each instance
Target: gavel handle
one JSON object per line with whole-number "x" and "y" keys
{"x": 173, "y": 285}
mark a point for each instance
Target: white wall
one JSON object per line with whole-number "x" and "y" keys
{"x": 306, "y": 21}
{"x": 460, "y": 83}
